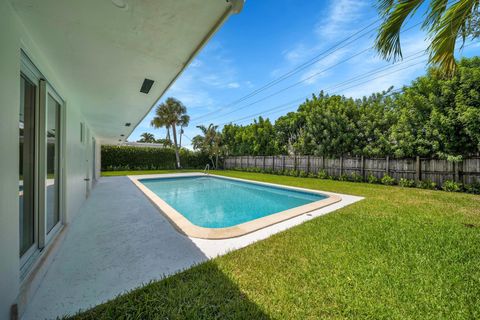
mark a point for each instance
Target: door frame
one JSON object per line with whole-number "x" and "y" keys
{"x": 45, "y": 235}
{"x": 32, "y": 74}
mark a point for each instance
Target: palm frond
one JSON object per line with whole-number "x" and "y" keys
{"x": 435, "y": 12}
{"x": 384, "y": 6}
{"x": 450, "y": 26}
{"x": 387, "y": 42}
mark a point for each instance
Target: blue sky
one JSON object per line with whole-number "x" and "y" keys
{"x": 268, "y": 39}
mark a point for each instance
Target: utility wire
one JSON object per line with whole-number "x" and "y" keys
{"x": 282, "y": 106}
{"x": 296, "y": 83}
{"x": 414, "y": 56}
{"x": 303, "y": 66}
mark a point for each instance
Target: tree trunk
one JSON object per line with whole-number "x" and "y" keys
{"x": 177, "y": 155}
{"x": 216, "y": 161}
{"x": 168, "y": 134}
{"x": 181, "y": 133}
{"x": 213, "y": 163}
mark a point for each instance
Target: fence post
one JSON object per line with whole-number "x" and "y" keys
{"x": 341, "y": 165}
{"x": 273, "y": 163}
{"x": 283, "y": 163}
{"x": 308, "y": 164}
{"x": 263, "y": 163}
{"x": 387, "y": 166}
{"x": 456, "y": 171}
{"x": 323, "y": 162}
{"x": 295, "y": 162}
{"x": 255, "y": 162}
{"x": 418, "y": 171}
{"x": 362, "y": 167}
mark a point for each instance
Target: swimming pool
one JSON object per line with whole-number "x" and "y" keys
{"x": 207, "y": 206}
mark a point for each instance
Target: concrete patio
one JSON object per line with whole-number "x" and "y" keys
{"x": 119, "y": 241}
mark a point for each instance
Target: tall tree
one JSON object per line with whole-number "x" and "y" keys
{"x": 444, "y": 21}
{"x": 147, "y": 137}
{"x": 170, "y": 114}
{"x": 209, "y": 142}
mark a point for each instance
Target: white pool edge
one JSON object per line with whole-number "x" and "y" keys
{"x": 277, "y": 221}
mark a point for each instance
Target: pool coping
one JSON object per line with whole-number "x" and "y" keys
{"x": 187, "y": 228}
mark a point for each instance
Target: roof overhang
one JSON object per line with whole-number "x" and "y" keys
{"x": 103, "y": 50}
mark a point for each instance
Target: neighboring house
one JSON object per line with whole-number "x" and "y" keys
{"x": 75, "y": 75}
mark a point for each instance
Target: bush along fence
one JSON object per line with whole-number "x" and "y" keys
{"x": 115, "y": 158}
{"x": 409, "y": 172}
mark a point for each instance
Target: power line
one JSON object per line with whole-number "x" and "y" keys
{"x": 374, "y": 78}
{"x": 409, "y": 58}
{"x": 296, "y": 83}
{"x": 302, "y": 66}
{"x": 286, "y": 88}
{"x": 292, "y": 85}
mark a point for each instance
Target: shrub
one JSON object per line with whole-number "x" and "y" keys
{"x": 406, "y": 183}
{"x": 312, "y": 175}
{"x": 427, "y": 184}
{"x": 128, "y": 158}
{"x": 451, "y": 186}
{"x": 302, "y": 174}
{"x": 343, "y": 177}
{"x": 387, "y": 180}
{"x": 372, "y": 179}
{"x": 355, "y": 177}
{"x": 473, "y": 187}
{"x": 322, "y": 174}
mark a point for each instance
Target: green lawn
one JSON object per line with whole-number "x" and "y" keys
{"x": 398, "y": 254}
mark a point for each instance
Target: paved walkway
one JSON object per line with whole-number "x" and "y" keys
{"x": 119, "y": 241}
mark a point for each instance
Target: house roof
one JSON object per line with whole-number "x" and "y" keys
{"x": 102, "y": 51}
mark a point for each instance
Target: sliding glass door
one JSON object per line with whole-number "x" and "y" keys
{"x": 40, "y": 183}
{"x": 50, "y": 163}
{"x": 26, "y": 186}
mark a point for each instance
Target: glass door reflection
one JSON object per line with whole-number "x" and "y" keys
{"x": 26, "y": 187}
{"x": 52, "y": 190}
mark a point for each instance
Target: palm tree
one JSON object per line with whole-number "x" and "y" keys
{"x": 170, "y": 114}
{"x": 147, "y": 137}
{"x": 209, "y": 142}
{"x": 444, "y": 22}
{"x": 185, "y": 120}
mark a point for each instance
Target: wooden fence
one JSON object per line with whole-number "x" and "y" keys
{"x": 436, "y": 170}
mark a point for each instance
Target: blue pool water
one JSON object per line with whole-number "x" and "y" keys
{"x": 212, "y": 202}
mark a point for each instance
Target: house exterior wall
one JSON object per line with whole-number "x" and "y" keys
{"x": 78, "y": 156}
{"x": 9, "y": 153}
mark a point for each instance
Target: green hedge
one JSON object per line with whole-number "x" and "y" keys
{"x": 144, "y": 158}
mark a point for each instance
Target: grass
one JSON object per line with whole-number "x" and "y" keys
{"x": 399, "y": 254}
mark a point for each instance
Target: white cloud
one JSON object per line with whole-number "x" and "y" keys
{"x": 233, "y": 85}
{"x": 342, "y": 16}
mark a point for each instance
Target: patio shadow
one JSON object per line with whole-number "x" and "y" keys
{"x": 203, "y": 292}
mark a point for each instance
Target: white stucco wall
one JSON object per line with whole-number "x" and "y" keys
{"x": 9, "y": 150}
{"x": 13, "y": 38}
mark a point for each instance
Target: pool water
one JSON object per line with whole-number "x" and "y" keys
{"x": 213, "y": 202}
